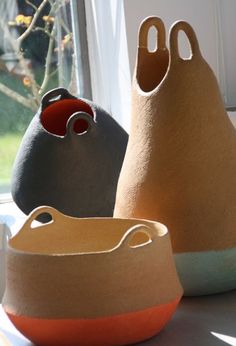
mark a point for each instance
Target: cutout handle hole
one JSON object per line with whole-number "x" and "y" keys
{"x": 81, "y": 126}
{"x": 185, "y": 51}
{"x": 139, "y": 239}
{"x": 152, "y": 39}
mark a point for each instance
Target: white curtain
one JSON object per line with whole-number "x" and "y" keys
{"x": 108, "y": 55}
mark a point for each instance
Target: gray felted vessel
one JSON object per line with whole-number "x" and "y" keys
{"x": 69, "y": 158}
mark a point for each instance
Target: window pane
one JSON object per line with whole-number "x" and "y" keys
{"x": 36, "y": 55}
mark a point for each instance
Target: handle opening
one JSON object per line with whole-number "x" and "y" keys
{"x": 152, "y": 55}
{"x": 185, "y": 51}
{"x": 174, "y": 38}
{"x": 55, "y": 95}
{"x": 79, "y": 120}
{"x": 152, "y": 41}
{"x": 42, "y": 218}
{"x": 138, "y": 236}
{"x": 54, "y": 98}
{"x": 43, "y": 214}
{"x": 81, "y": 127}
{"x": 152, "y": 26}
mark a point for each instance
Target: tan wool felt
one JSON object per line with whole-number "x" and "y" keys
{"x": 180, "y": 163}
{"x": 89, "y": 268}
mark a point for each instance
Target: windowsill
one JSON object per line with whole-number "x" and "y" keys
{"x": 10, "y": 214}
{"x": 5, "y": 198}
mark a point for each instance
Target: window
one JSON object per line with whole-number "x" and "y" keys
{"x": 38, "y": 51}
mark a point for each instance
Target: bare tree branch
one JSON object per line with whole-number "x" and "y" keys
{"x": 19, "y": 98}
{"x": 32, "y": 5}
{"x": 25, "y": 68}
{"x": 34, "y": 100}
{"x": 22, "y": 37}
{"x": 48, "y": 61}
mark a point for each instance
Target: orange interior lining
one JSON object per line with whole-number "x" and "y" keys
{"x": 56, "y": 115}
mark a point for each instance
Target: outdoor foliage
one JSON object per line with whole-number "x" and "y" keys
{"x": 44, "y": 35}
{"x": 43, "y": 59}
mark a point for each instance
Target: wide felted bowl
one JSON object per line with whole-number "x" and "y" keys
{"x": 97, "y": 281}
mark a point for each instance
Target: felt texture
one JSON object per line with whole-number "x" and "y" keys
{"x": 69, "y": 158}
{"x": 180, "y": 162}
{"x": 107, "y": 331}
{"x": 207, "y": 272}
{"x": 88, "y": 268}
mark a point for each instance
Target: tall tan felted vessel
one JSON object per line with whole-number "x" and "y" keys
{"x": 95, "y": 281}
{"x": 180, "y": 164}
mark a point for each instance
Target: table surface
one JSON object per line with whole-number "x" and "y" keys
{"x": 199, "y": 321}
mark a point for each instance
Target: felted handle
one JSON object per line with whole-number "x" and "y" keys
{"x": 144, "y": 29}
{"x": 55, "y": 95}
{"x": 150, "y": 232}
{"x": 173, "y": 40}
{"x": 72, "y": 120}
{"x": 37, "y": 212}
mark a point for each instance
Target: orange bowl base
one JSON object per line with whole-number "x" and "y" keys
{"x": 117, "y": 330}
